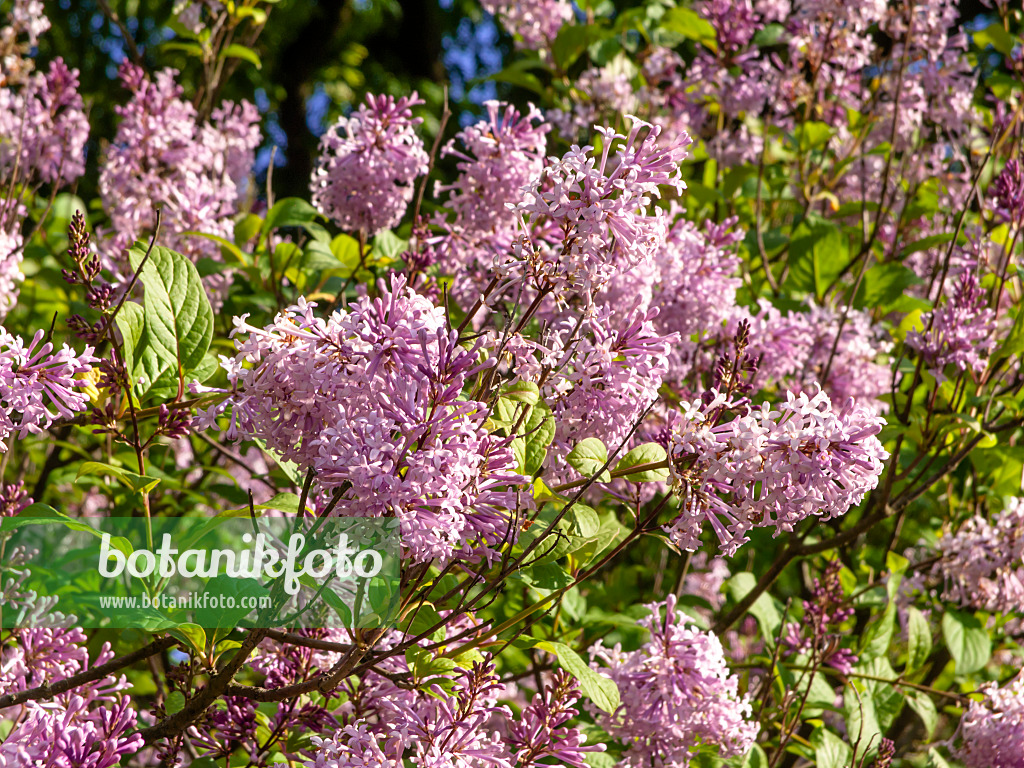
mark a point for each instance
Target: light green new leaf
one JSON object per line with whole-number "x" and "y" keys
{"x": 595, "y": 686}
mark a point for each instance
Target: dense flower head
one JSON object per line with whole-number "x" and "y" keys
{"x": 458, "y": 721}
{"x": 11, "y": 243}
{"x": 597, "y": 375}
{"x": 43, "y": 127}
{"x": 364, "y": 178}
{"x": 91, "y": 726}
{"x": 164, "y": 156}
{"x": 982, "y": 564}
{"x": 370, "y": 399}
{"x": 773, "y": 465}
{"x": 534, "y": 22}
{"x": 799, "y": 349}
{"x": 676, "y": 694}
{"x": 992, "y": 730}
{"x": 958, "y": 332}
{"x": 500, "y": 156}
{"x": 601, "y": 208}
{"x": 36, "y": 378}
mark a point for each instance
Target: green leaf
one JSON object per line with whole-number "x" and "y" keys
{"x": 829, "y": 750}
{"x": 174, "y": 703}
{"x": 588, "y": 457}
{"x": 236, "y": 51}
{"x": 763, "y": 609}
{"x": 922, "y": 704}
{"x": 686, "y": 22}
{"x": 178, "y": 317}
{"x": 996, "y": 36}
{"x": 538, "y": 433}
{"x": 967, "y": 641}
{"x": 919, "y": 642}
{"x": 192, "y": 635}
{"x": 130, "y": 320}
{"x": 885, "y": 283}
{"x": 818, "y": 253}
{"x": 522, "y": 392}
{"x": 595, "y": 686}
{"x": 572, "y": 40}
{"x": 289, "y": 212}
{"x": 648, "y": 453}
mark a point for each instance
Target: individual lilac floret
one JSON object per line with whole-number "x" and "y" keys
{"x": 993, "y": 730}
{"x": 368, "y": 162}
{"x": 35, "y": 378}
{"x": 957, "y": 333}
{"x": 676, "y": 695}
{"x": 600, "y": 209}
{"x": 91, "y": 726}
{"x": 770, "y": 466}
{"x": 370, "y": 399}
{"x": 534, "y": 22}
{"x": 983, "y": 563}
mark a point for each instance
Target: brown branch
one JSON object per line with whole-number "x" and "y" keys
{"x": 47, "y": 691}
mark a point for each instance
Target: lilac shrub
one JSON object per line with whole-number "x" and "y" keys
{"x": 656, "y": 372}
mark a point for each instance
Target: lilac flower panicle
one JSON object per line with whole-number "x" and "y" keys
{"x": 11, "y": 253}
{"x": 43, "y": 127}
{"x": 370, "y": 398}
{"x": 1007, "y": 193}
{"x": 601, "y": 208}
{"x": 541, "y": 733}
{"x": 676, "y": 695}
{"x": 364, "y": 178}
{"x": 773, "y": 465}
{"x": 957, "y": 333}
{"x": 91, "y": 726}
{"x": 992, "y": 730}
{"x": 535, "y": 22}
{"x": 982, "y": 564}
{"x": 36, "y": 378}
{"x": 164, "y": 156}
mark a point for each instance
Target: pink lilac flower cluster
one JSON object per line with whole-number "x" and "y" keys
{"x": 992, "y": 730}
{"x": 982, "y": 564}
{"x": 534, "y": 22}
{"x": 691, "y": 280}
{"x": 676, "y": 695}
{"x": 598, "y": 374}
{"x": 364, "y": 178}
{"x": 798, "y": 350}
{"x": 11, "y": 243}
{"x": 43, "y": 127}
{"x": 36, "y": 378}
{"x": 371, "y": 399}
{"x": 824, "y": 614}
{"x": 164, "y": 156}
{"x": 497, "y": 158}
{"x": 91, "y": 726}
{"x": 774, "y": 465}
{"x": 959, "y": 332}
{"x": 600, "y": 95}
{"x": 457, "y": 722}
{"x": 601, "y": 209}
